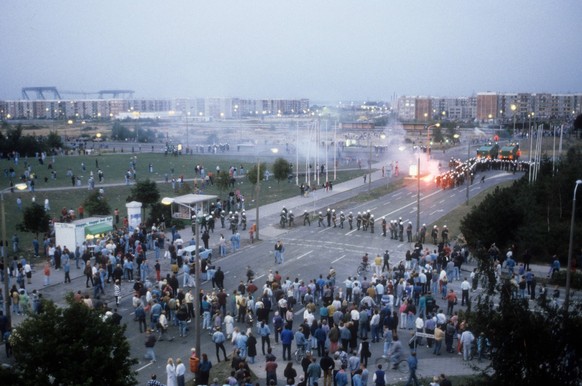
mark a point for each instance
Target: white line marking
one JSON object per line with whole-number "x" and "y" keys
{"x": 143, "y": 367}
{"x": 338, "y": 259}
{"x": 303, "y": 255}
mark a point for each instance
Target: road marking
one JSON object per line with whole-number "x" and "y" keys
{"x": 412, "y": 203}
{"x": 143, "y": 367}
{"x": 300, "y": 311}
{"x": 303, "y": 255}
{"x": 338, "y": 259}
{"x": 437, "y": 211}
{"x": 258, "y": 277}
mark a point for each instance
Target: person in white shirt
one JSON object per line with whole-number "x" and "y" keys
{"x": 465, "y": 287}
{"x": 180, "y": 372}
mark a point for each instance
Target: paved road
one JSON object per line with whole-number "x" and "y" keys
{"x": 310, "y": 250}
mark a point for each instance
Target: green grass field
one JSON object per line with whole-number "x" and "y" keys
{"x": 114, "y": 167}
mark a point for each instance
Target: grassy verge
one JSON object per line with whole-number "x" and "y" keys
{"x": 114, "y": 167}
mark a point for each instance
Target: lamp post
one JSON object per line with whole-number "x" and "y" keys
{"x": 382, "y": 136}
{"x": 4, "y": 252}
{"x": 258, "y": 190}
{"x": 428, "y": 139}
{"x": 370, "y": 161}
{"x": 418, "y": 195}
{"x": 570, "y": 247}
{"x": 187, "y": 133}
{"x": 513, "y": 108}
{"x": 197, "y": 316}
{"x": 418, "y": 175}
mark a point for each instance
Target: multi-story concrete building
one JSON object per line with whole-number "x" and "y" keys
{"x": 206, "y": 108}
{"x": 490, "y": 106}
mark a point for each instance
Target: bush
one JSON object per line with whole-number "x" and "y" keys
{"x": 560, "y": 279}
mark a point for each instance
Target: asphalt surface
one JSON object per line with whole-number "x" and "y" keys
{"x": 309, "y": 252}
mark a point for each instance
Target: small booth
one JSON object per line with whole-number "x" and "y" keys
{"x": 183, "y": 206}
{"x": 73, "y": 234}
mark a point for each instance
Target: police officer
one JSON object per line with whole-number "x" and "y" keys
{"x": 445, "y": 234}
{"x": 243, "y": 220}
{"x": 320, "y": 218}
{"x": 358, "y": 220}
{"x": 409, "y": 231}
{"x": 283, "y": 220}
{"x": 435, "y": 235}
{"x": 342, "y": 219}
{"x": 291, "y": 219}
{"x": 351, "y": 220}
{"x": 384, "y": 224}
{"x": 422, "y": 234}
{"x": 334, "y": 218}
{"x": 328, "y": 215}
{"x": 210, "y": 222}
{"x": 371, "y": 223}
{"x": 401, "y": 229}
{"x": 306, "y": 218}
{"x": 365, "y": 220}
{"x": 386, "y": 261}
{"x": 222, "y": 216}
{"x": 233, "y": 224}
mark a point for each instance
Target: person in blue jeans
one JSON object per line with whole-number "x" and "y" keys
{"x": 412, "y": 365}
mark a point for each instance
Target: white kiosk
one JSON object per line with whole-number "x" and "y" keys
{"x": 133, "y": 214}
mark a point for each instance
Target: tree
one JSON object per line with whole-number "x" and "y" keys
{"x": 531, "y": 345}
{"x": 35, "y": 220}
{"x": 71, "y": 346}
{"x": 222, "y": 182}
{"x": 120, "y": 132}
{"x": 54, "y": 140}
{"x": 212, "y": 139}
{"x": 578, "y": 123}
{"x": 281, "y": 169}
{"x": 146, "y": 192}
{"x": 96, "y": 204}
{"x": 252, "y": 173}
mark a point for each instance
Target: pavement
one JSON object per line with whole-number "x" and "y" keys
{"x": 270, "y": 230}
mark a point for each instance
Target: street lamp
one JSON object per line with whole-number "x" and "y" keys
{"x": 258, "y": 190}
{"x": 418, "y": 175}
{"x": 428, "y": 139}
{"x": 197, "y": 316}
{"x": 187, "y": 133}
{"x": 570, "y": 247}
{"x": 382, "y": 136}
{"x": 20, "y": 186}
{"x": 513, "y": 108}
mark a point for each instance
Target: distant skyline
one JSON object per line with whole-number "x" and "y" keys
{"x": 322, "y": 50}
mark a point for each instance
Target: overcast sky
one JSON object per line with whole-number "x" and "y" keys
{"x": 321, "y": 50}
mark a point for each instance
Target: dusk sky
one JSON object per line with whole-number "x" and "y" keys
{"x": 321, "y": 50}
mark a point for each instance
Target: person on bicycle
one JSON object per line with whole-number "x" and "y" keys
{"x": 365, "y": 260}
{"x": 300, "y": 340}
{"x": 395, "y": 352}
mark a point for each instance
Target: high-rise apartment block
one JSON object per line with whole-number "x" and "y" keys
{"x": 487, "y": 106}
{"x": 197, "y": 108}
